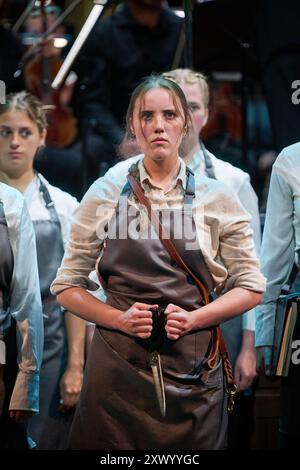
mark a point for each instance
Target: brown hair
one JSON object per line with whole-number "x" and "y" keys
{"x": 24, "y": 101}
{"x": 189, "y": 77}
{"x": 150, "y": 83}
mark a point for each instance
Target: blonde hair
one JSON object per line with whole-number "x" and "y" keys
{"x": 189, "y": 77}
{"x": 30, "y": 104}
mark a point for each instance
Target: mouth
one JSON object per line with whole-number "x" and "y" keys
{"x": 159, "y": 141}
{"x": 15, "y": 154}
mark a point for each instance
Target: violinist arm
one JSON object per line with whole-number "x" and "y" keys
{"x": 94, "y": 76}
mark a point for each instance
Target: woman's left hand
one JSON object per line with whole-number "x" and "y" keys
{"x": 70, "y": 388}
{"x": 179, "y": 321}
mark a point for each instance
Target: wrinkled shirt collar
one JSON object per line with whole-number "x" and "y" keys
{"x": 146, "y": 181}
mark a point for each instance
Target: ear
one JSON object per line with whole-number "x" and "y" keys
{"x": 131, "y": 127}
{"x": 205, "y": 117}
{"x": 43, "y": 136}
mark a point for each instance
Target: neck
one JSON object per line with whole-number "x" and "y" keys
{"x": 187, "y": 154}
{"x": 18, "y": 182}
{"x": 162, "y": 173}
{"x": 147, "y": 16}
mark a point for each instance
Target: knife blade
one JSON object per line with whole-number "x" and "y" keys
{"x": 155, "y": 364}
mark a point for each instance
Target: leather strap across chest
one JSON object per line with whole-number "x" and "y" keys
{"x": 218, "y": 343}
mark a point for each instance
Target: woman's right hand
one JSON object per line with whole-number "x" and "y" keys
{"x": 137, "y": 320}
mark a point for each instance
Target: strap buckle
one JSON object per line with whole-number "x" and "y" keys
{"x": 231, "y": 392}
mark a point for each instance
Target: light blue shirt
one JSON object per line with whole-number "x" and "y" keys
{"x": 281, "y": 237}
{"x": 25, "y": 304}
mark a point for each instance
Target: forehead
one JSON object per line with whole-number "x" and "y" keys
{"x": 157, "y": 99}
{"x": 17, "y": 118}
{"x": 192, "y": 92}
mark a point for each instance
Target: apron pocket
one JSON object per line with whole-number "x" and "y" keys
{"x": 214, "y": 377}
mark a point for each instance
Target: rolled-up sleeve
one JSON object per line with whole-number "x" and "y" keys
{"x": 26, "y": 309}
{"x": 236, "y": 247}
{"x": 249, "y": 200}
{"x": 87, "y": 236}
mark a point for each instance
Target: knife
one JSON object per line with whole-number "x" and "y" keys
{"x": 155, "y": 364}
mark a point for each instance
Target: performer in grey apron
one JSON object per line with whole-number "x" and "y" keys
{"x": 122, "y": 411}
{"x": 49, "y": 429}
{"x": 12, "y": 434}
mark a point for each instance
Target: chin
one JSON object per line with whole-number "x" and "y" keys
{"x": 159, "y": 157}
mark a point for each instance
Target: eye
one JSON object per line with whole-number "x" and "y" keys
{"x": 25, "y": 133}
{"x": 169, "y": 114}
{"x": 194, "y": 107}
{"x": 146, "y": 115}
{"x": 4, "y": 132}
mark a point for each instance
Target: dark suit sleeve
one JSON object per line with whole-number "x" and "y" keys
{"x": 93, "y": 91}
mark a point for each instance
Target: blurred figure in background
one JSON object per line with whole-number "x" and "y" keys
{"x": 23, "y": 126}
{"x": 280, "y": 250}
{"x": 141, "y": 37}
{"x": 21, "y": 321}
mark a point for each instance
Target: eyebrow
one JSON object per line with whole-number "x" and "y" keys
{"x": 153, "y": 110}
{"x": 4, "y": 126}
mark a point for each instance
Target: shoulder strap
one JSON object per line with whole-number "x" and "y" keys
{"x": 210, "y": 172}
{"x": 50, "y": 206}
{"x": 168, "y": 244}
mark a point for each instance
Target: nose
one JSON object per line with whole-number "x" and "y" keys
{"x": 14, "y": 143}
{"x": 159, "y": 126}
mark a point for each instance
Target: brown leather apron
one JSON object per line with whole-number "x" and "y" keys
{"x": 118, "y": 407}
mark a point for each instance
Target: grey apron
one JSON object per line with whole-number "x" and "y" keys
{"x": 49, "y": 429}
{"x": 232, "y": 329}
{"x": 12, "y": 435}
{"x": 118, "y": 404}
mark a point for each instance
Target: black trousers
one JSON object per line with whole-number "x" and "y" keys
{"x": 241, "y": 421}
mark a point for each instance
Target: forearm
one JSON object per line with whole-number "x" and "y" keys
{"x": 248, "y": 340}
{"x": 75, "y": 328}
{"x": 83, "y": 304}
{"x": 229, "y": 305}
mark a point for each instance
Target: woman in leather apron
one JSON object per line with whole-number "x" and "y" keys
{"x": 24, "y": 121}
{"x": 21, "y": 324}
{"x": 146, "y": 383}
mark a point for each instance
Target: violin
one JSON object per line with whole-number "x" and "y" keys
{"x": 226, "y": 114}
{"x": 39, "y": 74}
